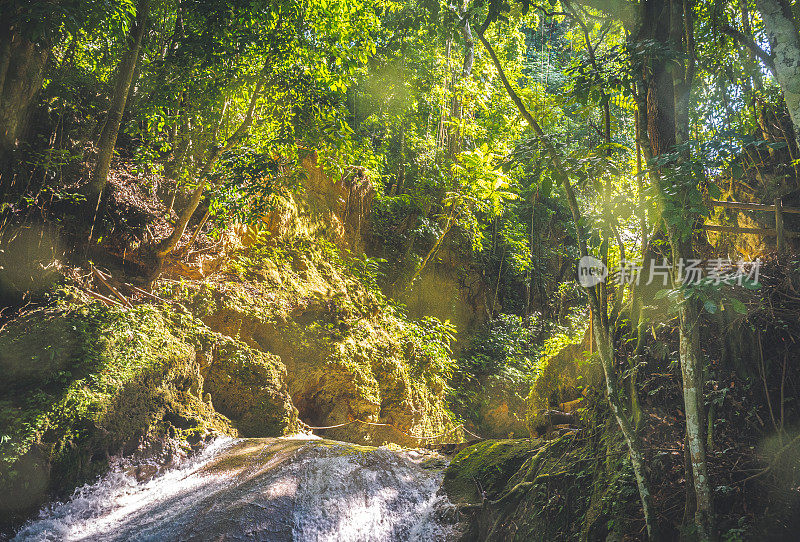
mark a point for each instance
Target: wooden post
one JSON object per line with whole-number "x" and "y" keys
{"x": 779, "y": 226}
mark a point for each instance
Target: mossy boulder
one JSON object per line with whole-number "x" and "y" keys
{"x": 350, "y": 356}
{"x": 486, "y": 467}
{"x": 249, "y": 386}
{"x": 577, "y": 487}
{"x": 92, "y": 382}
{"x": 562, "y": 379}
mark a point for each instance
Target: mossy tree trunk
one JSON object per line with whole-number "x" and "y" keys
{"x": 626, "y": 423}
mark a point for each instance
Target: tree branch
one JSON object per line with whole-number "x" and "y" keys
{"x": 748, "y": 42}
{"x": 169, "y": 243}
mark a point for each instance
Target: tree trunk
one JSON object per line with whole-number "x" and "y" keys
{"x": 692, "y": 373}
{"x": 448, "y": 225}
{"x": 638, "y": 462}
{"x": 784, "y": 36}
{"x": 122, "y": 85}
{"x": 180, "y": 148}
{"x": 22, "y": 65}
{"x": 668, "y": 125}
{"x": 166, "y": 246}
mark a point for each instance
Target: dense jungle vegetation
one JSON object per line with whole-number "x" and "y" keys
{"x": 364, "y": 218}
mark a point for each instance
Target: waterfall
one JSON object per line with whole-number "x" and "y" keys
{"x": 293, "y": 489}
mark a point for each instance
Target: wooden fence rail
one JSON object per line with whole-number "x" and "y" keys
{"x": 779, "y": 231}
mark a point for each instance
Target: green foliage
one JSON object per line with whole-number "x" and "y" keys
{"x": 506, "y": 348}
{"x": 497, "y": 367}
{"x": 45, "y": 22}
{"x": 712, "y": 294}
{"x": 481, "y": 187}
{"x": 430, "y": 341}
{"x": 249, "y": 184}
{"x": 367, "y": 270}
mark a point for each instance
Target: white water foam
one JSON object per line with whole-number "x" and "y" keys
{"x": 95, "y": 510}
{"x": 322, "y": 493}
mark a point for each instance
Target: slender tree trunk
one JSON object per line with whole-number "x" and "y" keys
{"x": 638, "y": 461}
{"x": 692, "y": 373}
{"x": 531, "y": 243}
{"x": 122, "y": 85}
{"x": 165, "y": 247}
{"x": 668, "y": 125}
{"x": 181, "y": 147}
{"x": 418, "y": 271}
{"x": 441, "y": 132}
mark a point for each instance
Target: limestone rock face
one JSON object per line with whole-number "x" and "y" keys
{"x": 502, "y": 414}
{"x": 350, "y": 358}
{"x": 561, "y": 380}
{"x": 336, "y": 210}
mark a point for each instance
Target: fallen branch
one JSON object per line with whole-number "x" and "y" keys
{"x": 104, "y": 299}
{"x": 107, "y": 279}
{"x": 97, "y": 273}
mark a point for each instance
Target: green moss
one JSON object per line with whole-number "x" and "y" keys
{"x": 572, "y": 488}
{"x": 249, "y": 386}
{"x": 79, "y": 359}
{"x": 88, "y": 382}
{"x": 92, "y": 382}
{"x": 76, "y": 366}
{"x": 349, "y": 354}
{"x": 486, "y": 466}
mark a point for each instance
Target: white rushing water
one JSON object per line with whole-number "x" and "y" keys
{"x": 260, "y": 489}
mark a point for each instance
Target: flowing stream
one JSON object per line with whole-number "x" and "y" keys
{"x": 289, "y": 489}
